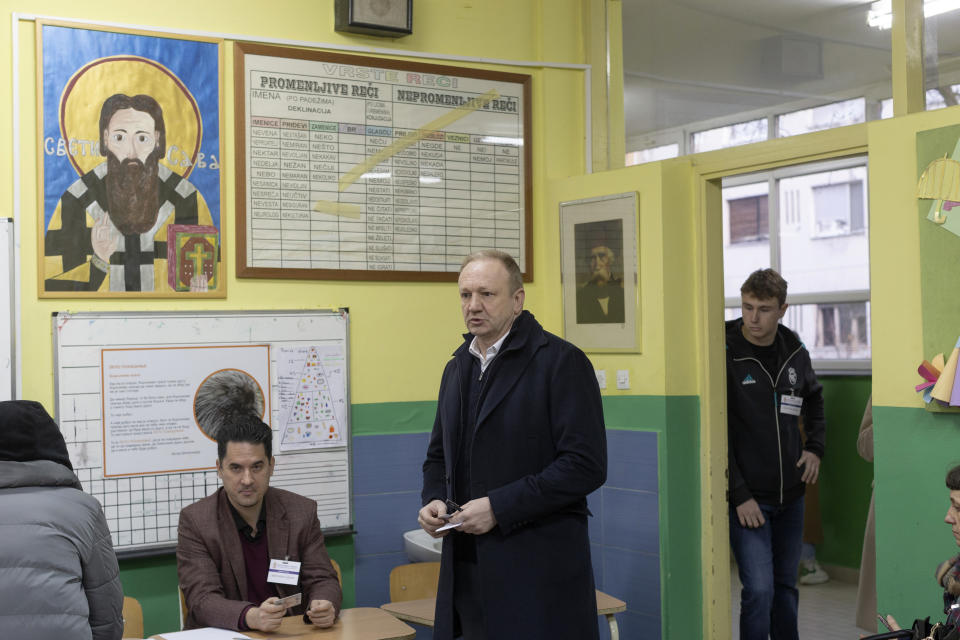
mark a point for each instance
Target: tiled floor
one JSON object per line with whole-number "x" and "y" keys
{"x": 826, "y": 610}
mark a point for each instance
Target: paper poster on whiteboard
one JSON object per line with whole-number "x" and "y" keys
{"x": 149, "y": 396}
{"x": 312, "y": 397}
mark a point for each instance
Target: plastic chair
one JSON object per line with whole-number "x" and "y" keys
{"x": 132, "y": 618}
{"x": 414, "y": 581}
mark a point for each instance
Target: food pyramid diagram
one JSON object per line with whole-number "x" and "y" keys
{"x": 312, "y": 422}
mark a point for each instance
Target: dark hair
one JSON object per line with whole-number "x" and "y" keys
{"x": 764, "y": 284}
{"x": 246, "y": 428}
{"x": 953, "y": 478}
{"x": 504, "y": 258}
{"x": 141, "y": 102}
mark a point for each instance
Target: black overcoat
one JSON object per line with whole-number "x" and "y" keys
{"x": 539, "y": 448}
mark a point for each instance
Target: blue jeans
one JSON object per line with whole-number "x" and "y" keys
{"x": 768, "y": 558}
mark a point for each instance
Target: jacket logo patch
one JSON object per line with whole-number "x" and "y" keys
{"x": 792, "y": 375}
{"x": 749, "y": 380}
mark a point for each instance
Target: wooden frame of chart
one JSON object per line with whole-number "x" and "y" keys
{"x": 362, "y": 168}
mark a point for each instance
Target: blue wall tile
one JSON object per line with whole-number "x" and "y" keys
{"x": 632, "y": 460}
{"x": 381, "y": 519}
{"x": 595, "y": 504}
{"x": 388, "y": 463}
{"x": 634, "y": 578}
{"x": 372, "y": 576}
{"x": 630, "y": 520}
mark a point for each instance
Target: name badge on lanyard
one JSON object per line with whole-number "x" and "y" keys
{"x": 791, "y": 405}
{"x": 283, "y": 571}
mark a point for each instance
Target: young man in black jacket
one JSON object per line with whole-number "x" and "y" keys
{"x": 770, "y": 384}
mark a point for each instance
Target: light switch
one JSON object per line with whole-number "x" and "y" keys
{"x": 623, "y": 378}
{"x": 601, "y": 377}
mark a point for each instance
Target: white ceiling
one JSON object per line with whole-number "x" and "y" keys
{"x": 693, "y": 60}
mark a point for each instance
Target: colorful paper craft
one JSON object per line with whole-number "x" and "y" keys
{"x": 943, "y": 390}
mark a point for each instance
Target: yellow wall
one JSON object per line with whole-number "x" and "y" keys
{"x": 415, "y": 326}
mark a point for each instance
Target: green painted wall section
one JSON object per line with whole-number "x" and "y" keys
{"x": 911, "y": 502}
{"x": 153, "y": 581}
{"x": 845, "y": 477}
{"x": 383, "y": 418}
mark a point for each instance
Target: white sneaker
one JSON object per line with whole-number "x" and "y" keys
{"x": 812, "y": 573}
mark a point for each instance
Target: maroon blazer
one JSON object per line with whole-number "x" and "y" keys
{"x": 210, "y": 560}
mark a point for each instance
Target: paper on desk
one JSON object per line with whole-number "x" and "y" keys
{"x": 452, "y": 525}
{"x": 206, "y": 633}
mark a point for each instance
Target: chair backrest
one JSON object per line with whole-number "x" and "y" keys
{"x": 132, "y": 618}
{"x": 336, "y": 568}
{"x": 414, "y": 581}
{"x": 183, "y": 607}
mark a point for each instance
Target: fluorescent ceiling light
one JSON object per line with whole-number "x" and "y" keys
{"x": 880, "y": 14}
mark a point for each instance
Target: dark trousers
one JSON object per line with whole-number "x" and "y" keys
{"x": 466, "y": 600}
{"x": 768, "y": 558}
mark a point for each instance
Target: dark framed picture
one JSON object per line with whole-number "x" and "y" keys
{"x": 599, "y": 266}
{"x": 389, "y": 18}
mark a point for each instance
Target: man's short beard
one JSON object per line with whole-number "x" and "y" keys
{"x": 132, "y": 200}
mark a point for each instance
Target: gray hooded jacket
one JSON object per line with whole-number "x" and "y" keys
{"x": 59, "y": 578}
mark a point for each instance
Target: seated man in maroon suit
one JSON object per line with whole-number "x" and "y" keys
{"x": 229, "y": 540}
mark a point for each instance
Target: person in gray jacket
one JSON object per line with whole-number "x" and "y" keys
{"x": 59, "y": 578}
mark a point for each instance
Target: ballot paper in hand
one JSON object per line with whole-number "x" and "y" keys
{"x": 206, "y": 633}
{"x": 451, "y": 525}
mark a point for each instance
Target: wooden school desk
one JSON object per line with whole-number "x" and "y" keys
{"x": 364, "y": 623}
{"x": 421, "y": 611}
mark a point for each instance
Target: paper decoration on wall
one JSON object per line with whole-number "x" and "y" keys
{"x": 941, "y": 385}
{"x": 940, "y": 181}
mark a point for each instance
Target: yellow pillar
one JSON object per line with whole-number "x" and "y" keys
{"x": 907, "y": 57}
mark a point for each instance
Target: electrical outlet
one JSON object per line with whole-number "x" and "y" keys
{"x": 601, "y": 377}
{"x": 623, "y": 378}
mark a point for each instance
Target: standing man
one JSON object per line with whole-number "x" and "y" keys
{"x": 248, "y": 544}
{"x": 517, "y": 444}
{"x": 769, "y": 466}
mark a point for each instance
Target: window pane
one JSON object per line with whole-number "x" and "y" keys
{"x": 746, "y": 237}
{"x": 824, "y": 245}
{"x": 836, "y": 331}
{"x": 653, "y": 153}
{"x": 828, "y": 116}
{"x": 730, "y": 136}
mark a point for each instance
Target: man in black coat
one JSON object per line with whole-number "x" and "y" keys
{"x": 517, "y": 444}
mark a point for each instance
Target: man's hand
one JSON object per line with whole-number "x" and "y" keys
{"x": 477, "y": 517}
{"x": 750, "y": 514}
{"x": 266, "y": 617}
{"x": 104, "y": 239}
{"x": 322, "y": 613}
{"x": 812, "y": 467}
{"x": 430, "y": 520}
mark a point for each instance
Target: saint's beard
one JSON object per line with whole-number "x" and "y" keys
{"x": 132, "y": 186}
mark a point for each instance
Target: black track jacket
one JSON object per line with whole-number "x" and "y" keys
{"x": 764, "y": 443}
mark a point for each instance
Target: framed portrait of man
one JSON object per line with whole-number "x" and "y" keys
{"x": 129, "y": 164}
{"x": 599, "y": 266}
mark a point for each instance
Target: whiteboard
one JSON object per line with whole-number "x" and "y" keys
{"x": 7, "y": 309}
{"x": 304, "y": 377}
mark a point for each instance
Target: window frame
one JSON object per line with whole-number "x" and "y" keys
{"x": 849, "y": 366}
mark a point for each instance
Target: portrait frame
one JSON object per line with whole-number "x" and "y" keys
{"x": 599, "y": 268}
{"x": 180, "y": 252}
